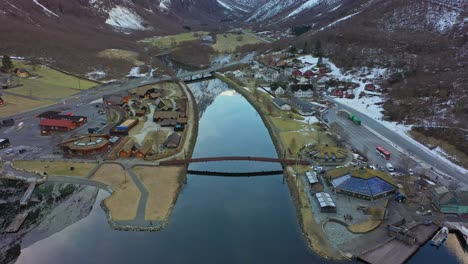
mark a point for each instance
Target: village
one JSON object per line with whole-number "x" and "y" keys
{"x": 349, "y": 196}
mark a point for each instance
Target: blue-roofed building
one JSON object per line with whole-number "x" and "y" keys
{"x": 361, "y": 183}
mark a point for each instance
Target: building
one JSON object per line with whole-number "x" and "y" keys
{"x": 77, "y": 120}
{"x": 159, "y": 116}
{"x": 128, "y": 148}
{"x": 4, "y": 143}
{"x": 2, "y": 102}
{"x": 312, "y": 177}
{"x": 328, "y": 154}
{"x": 369, "y": 87}
{"x": 296, "y": 73}
{"x": 48, "y": 126}
{"x": 281, "y": 104}
{"x": 172, "y": 141}
{"x": 6, "y": 81}
{"x": 145, "y": 149}
{"x": 450, "y": 202}
{"x": 301, "y": 90}
{"x": 21, "y": 72}
{"x": 85, "y": 145}
{"x": 361, "y": 183}
{"x": 325, "y": 202}
{"x": 278, "y": 90}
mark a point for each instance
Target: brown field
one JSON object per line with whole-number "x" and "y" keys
{"x": 127, "y": 55}
{"x": 56, "y": 168}
{"x": 123, "y": 203}
{"x": 163, "y": 184}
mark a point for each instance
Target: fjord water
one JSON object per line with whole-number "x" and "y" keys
{"x": 215, "y": 219}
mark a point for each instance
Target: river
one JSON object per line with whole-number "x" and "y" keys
{"x": 215, "y": 219}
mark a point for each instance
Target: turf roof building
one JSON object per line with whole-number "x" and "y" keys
{"x": 86, "y": 145}
{"x": 361, "y": 183}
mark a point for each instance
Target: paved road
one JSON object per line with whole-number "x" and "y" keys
{"x": 409, "y": 148}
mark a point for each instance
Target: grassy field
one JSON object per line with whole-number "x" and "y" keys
{"x": 123, "y": 203}
{"x": 127, "y": 55}
{"x": 375, "y": 218}
{"x": 56, "y": 168}
{"x": 173, "y": 41}
{"x": 163, "y": 184}
{"x": 229, "y": 42}
{"x": 16, "y": 104}
{"x": 46, "y": 83}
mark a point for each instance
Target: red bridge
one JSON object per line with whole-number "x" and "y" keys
{"x": 234, "y": 158}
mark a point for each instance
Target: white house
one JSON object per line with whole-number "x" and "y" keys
{"x": 301, "y": 90}
{"x": 279, "y": 90}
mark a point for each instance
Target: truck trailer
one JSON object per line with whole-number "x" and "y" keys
{"x": 355, "y": 119}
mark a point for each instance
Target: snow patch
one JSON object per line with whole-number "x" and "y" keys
{"x": 122, "y": 17}
{"x": 164, "y": 5}
{"x": 48, "y": 12}
{"x": 135, "y": 72}
{"x": 339, "y": 20}
{"x": 96, "y": 75}
{"x": 307, "y": 5}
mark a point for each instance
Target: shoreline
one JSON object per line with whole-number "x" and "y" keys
{"x": 315, "y": 245}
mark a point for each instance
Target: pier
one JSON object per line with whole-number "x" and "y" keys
{"x": 396, "y": 251}
{"x": 17, "y": 223}
{"x": 27, "y": 195}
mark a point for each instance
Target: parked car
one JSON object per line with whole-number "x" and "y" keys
{"x": 410, "y": 171}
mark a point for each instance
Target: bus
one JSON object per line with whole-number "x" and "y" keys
{"x": 383, "y": 153}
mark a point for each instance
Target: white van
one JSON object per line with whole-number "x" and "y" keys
{"x": 390, "y": 167}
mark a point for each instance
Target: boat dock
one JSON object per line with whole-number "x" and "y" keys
{"x": 17, "y": 222}
{"x": 398, "y": 251}
{"x": 27, "y": 195}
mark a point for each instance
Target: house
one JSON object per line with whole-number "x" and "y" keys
{"x": 278, "y": 90}
{"x": 2, "y": 102}
{"x": 448, "y": 202}
{"x": 85, "y": 145}
{"x": 6, "y": 81}
{"x": 78, "y": 120}
{"x": 172, "y": 141}
{"x": 370, "y": 87}
{"x": 146, "y": 148}
{"x": 337, "y": 93}
{"x": 168, "y": 122}
{"x": 281, "y": 104}
{"x": 296, "y": 73}
{"x": 21, "y": 72}
{"x": 47, "y": 126}
{"x": 140, "y": 112}
{"x": 308, "y": 74}
{"x": 159, "y": 116}
{"x": 207, "y": 39}
{"x": 182, "y": 120}
{"x": 301, "y": 90}
{"x": 127, "y": 149}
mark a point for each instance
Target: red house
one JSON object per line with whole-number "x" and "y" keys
{"x": 296, "y": 73}
{"x": 49, "y": 125}
{"x": 338, "y": 93}
{"x": 308, "y": 74}
{"x": 370, "y": 87}
{"x": 323, "y": 70}
{"x": 1, "y": 101}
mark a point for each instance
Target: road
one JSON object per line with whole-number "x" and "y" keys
{"x": 259, "y": 38}
{"x": 399, "y": 146}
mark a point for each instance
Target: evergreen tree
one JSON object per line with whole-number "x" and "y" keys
{"x": 318, "y": 52}
{"x": 6, "y": 63}
{"x": 320, "y": 61}
{"x": 304, "y": 50}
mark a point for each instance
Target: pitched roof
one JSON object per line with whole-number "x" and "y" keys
{"x": 56, "y": 123}
{"x": 279, "y": 102}
{"x": 173, "y": 139}
{"x": 302, "y": 87}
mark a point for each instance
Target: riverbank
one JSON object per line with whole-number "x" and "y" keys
{"x": 313, "y": 231}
